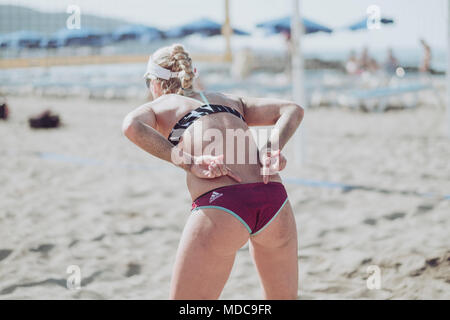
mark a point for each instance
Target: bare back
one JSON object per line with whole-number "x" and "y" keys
{"x": 203, "y": 138}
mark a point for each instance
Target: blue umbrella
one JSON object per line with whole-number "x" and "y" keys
{"x": 21, "y": 39}
{"x": 362, "y": 24}
{"x": 284, "y": 25}
{"x": 49, "y": 43}
{"x": 136, "y": 31}
{"x": 3, "y": 42}
{"x": 77, "y": 37}
{"x": 240, "y": 32}
{"x": 204, "y": 26}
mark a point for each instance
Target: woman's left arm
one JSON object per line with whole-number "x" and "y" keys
{"x": 140, "y": 127}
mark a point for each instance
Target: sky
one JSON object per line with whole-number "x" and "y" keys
{"x": 413, "y": 18}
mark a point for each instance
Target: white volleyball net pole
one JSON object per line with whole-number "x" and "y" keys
{"x": 298, "y": 90}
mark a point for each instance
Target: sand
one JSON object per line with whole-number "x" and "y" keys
{"x": 84, "y": 195}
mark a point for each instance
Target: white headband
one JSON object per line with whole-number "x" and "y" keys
{"x": 156, "y": 71}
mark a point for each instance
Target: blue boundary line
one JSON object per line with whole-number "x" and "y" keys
{"x": 91, "y": 162}
{"x": 349, "y": 187}
{"x": 297, "y": 181}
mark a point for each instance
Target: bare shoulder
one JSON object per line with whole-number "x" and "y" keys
{"x": 229, "y": 99}
{"x": 164, "y": 101}
{"x": 232, "y": 96}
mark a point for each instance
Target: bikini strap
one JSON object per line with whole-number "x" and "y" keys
{"x": 204, "y": 98}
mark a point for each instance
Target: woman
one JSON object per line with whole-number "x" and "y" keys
{"x": 232, "y": 201}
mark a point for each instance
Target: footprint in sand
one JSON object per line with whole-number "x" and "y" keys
{"x": 337, "y": 204}
{"x": 4, "y": 253}
{"x": 324, "y": 232}
{"x": 90, "y": 279}
{"x": 433, "y": 262}
{"x": 73, "y": 243}
{"x": 133, "y": 269}
{"x": 142, "y": 231}
{"x": 366, "y": 261}
{"x": 99, "y": 238}
{"x": 49, "y": 281}
{"x": 12, "y": 288}
{"x": 120, "y": 233}
{"x": 394, "y": 216}
{"x": 423, "y": 208}
{"x": 43, "y": 248}
{"x": 370, "y": 221}
{"x": 88, "y": 295}
{"x": 437, "y": 265}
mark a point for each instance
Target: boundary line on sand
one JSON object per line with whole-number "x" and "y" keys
{"x": 297, "y": 181}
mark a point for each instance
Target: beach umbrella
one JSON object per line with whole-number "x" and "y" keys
{"x": 240, "y": 32}
{"x": 3, "y": 42}
{"x": 204, "y": 26}
{"x": 21, "y": 39}
{"x": 77, "y": 37}
{"x": 284, "y": 25}
{"x": 135, "y": 32}
{"x": 49, "y": 43}
{"x": 363, "y": 23}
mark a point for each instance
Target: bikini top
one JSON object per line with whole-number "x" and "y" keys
{"x": 191, "y": 116}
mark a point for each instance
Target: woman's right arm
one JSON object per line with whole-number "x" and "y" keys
{"x": 285, "y": 116}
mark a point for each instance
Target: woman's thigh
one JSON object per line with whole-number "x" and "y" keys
{"x": 275, "y": 252}
{"x": 206, "y": 254}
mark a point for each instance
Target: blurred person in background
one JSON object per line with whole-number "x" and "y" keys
{"x": 289, "y": 51}
{"x": 366, "y": 62}
{"x": 233, "y": 203}
{"x": 426, "y": 60}
{"x": 352, "y": 64}
{"x": 242, "y": 64}
{"x": 391, "y": 64}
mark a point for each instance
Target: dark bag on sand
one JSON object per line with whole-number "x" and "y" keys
{"x": 3, "y": 111}
{"x": 44, "y": 120}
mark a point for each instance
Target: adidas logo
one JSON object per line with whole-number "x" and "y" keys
{"x": 214, "y": 196}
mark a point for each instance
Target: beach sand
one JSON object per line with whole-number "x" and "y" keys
{"x": 84, "y": 195}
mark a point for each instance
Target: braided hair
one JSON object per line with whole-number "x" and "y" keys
{"x": 176, "y": 59}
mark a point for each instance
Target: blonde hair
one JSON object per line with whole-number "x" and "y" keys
{"x": 176, "y": 59}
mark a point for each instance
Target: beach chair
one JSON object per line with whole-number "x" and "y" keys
{"x": 379, "y": 96}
